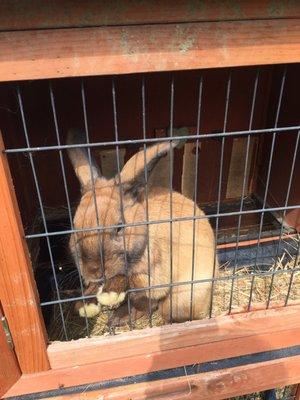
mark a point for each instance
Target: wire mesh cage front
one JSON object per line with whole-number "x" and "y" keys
{"x": 189, "y": 202}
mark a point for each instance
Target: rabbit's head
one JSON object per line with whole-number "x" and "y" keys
{"x": 109, "y": 204}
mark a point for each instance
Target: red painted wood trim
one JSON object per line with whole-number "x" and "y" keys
{"x": 209, "y": 335}
{"x": 216, "y": 385}
{"x": 269, "y": 330}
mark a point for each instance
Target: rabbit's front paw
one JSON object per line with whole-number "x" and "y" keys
{"x": 113, "y": 293}
{"x": 89, "y": 310}
{"x": 111, "y": 299}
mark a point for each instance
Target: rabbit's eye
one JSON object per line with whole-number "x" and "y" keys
{"x": 119, "y": 229}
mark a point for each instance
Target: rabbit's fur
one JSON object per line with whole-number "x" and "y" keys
{"x": 87, "y": 246}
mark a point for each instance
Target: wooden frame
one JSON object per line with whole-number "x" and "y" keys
{"x": 214, "y": 385}
{"x": 133, "y": 49}
{"x": 185, "y": 43}
{"x": 94, "y": 360}
{"x": 179, "y": 344}
{"x": 18, "y": 293}
{"x": 32, "y": 14}
{"x": 9, "y": 368}
{"x": 297, "y": 393}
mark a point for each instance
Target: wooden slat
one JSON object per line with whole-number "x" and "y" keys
{"x": 182, "y": 348}
{"x": 34, "y": 14}
{"x": 117, "y": 50}
{"x": 269, "y": 330}
{"x": 9, "y": 368}
{"x": 208, "y": 335}
{"x": 18, "y": 293}
{"x": 214, "y": 385}
{"x": 297, "y": 393}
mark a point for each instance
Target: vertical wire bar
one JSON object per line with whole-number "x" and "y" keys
{"x": 42, "y": 209}
{"x": 61, "y": 158}
{"x": 292, "y": 275}
{"x": 283, "y": 215}
{"x": 195, "y": 192}
{"x": 120, "y": 190}
{"x": 244, "y": 187}
{"x": 261, "y": 219}
{"x": 171, "y": 198}
{"x": 92, "y": 176}
{"x": 220, "y": 185}
{"x": 146, "y": 196}
{"x": 267, "y": 183}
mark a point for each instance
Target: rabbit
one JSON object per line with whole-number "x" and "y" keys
{"x": 101, "y": 255}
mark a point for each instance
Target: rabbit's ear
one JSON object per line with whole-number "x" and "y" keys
{"x": 133, "y": 172}
{"x": 84, "y": 167}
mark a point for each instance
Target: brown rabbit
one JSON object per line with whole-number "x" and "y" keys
{"x": 128, "y": 269}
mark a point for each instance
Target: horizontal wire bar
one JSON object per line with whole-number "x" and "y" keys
{"x": 67, "y": 300}
{"x": 151, "y": 140}
{"x": 198, "y": 281}
{"x": 161, "y": 221}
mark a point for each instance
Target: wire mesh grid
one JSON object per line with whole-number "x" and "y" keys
{"x": 233, "y": 275}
